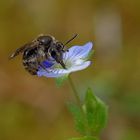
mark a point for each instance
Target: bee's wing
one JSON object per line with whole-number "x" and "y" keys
{"x": 19, "y": 50}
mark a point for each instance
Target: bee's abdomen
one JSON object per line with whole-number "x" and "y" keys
{"x": 30, "y": 61}
{"x": 30, "y": 67}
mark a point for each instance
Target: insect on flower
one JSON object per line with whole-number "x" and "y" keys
{"x": 75, "y": 59}
{"x": 42, "y": 48}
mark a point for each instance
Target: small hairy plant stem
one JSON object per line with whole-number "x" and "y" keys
{"x": 75, "y": 92}
{"x": 79, "y": 104}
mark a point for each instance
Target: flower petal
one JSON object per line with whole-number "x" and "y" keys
{"x": 47, "y": 64}
{"x": 62, "y": 72}
{"x": 76, "y": 52}
{"x": 80, "y": 67}
{"x": 49, "y": 74}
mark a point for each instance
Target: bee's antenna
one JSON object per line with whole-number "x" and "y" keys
{"x": 71, "y": 39}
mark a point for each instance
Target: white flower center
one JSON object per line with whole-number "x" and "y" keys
{"x": 69, "y": 63}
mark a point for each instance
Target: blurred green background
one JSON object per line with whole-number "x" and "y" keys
{"x": 34, "y": 108}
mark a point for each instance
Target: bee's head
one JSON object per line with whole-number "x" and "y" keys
{"x": 60, "y": 47}
{"x": 44, "y": 40}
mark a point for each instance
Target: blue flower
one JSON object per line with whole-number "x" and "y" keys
{"x": 75, "y": 59}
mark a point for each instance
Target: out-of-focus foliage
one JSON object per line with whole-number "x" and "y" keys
{"x": 85, "y": 138}
{"x": 34, "y": 108}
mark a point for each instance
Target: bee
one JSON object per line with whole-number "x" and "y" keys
{"x": 40, "y": 49}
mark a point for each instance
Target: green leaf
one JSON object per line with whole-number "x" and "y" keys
{"x": 61, "y": 80}
{"x": 90, "y": 108}
{"x": 102, "y": 115}
{"x": 78, "y": 118}
{"x": 96, "y": 112}
{"x": 85, "y": 138}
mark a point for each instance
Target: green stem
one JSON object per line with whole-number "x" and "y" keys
{"x": 79, "y": 104}
{"x": 75, "y": 93}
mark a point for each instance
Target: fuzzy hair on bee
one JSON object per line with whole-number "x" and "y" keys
{"x": 40, "y": 49}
